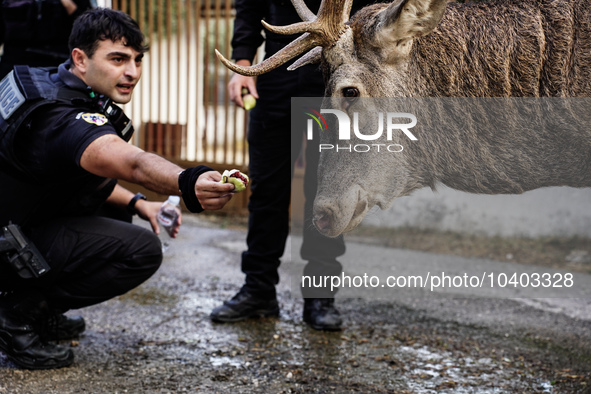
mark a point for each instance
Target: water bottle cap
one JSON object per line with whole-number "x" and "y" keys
{"x": 175, "y": 200}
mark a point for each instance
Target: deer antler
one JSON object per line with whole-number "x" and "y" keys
{"x": 311, "y": 57}
{"x": 318, "y": 31}
{"x": 303, "y": 10}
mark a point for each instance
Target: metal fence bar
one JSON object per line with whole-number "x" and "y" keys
{"x": 228, "y": 150}
{"x": 201, "y": 113}
{"x": 180, "y": 136}
{"x": 160, "y": 61}
{"x": 215, "y": 95}
{"x": 167, "y": 138}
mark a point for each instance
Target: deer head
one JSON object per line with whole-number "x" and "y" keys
{"x": 431, "y": 48}
{"x": 364, "y": 57}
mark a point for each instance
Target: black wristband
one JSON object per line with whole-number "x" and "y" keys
{"x": 131, "y": 206}
{"x": 187, "y": 181}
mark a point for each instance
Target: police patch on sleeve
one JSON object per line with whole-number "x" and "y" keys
{"x": 97, "y": 119}
{"x": 10, "y": 96}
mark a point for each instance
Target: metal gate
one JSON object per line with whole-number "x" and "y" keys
{"x": 181, "y": 107}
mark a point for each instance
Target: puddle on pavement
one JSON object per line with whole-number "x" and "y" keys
{"x": 150, "y": 295}
{"x": 182, "y": 350}
{"x": 219, "y": 361}
{"x": 362, "y": 356}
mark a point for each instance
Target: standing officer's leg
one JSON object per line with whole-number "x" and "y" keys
{"x": 270, "y": 143}
{"x": 268, "y": 223}
{"x": 321, "y": 253}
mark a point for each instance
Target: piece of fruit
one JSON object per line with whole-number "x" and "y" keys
{"x": 248, "y": 99}
{"x": 249, "y": 102}
{"x": 237, "y": 178}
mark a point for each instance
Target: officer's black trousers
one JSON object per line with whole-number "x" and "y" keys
{"x": 92, "y": 259}
{"x": 273, "y": 147}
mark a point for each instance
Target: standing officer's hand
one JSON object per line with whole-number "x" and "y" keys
{"x": 237, "y": 82}
{"x": 70, "y": 6}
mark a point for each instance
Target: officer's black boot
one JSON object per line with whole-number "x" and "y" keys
{"x": 59, "y": 327}
{"x": 19, "y": 338}
{"x": 321, "y": 314}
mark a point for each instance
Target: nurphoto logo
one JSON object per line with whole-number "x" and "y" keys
{"x": 394, "y": 122}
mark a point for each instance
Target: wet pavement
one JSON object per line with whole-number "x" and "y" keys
{"x": 159, "y": 339}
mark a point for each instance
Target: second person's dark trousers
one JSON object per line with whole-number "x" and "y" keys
{"x": 273, "y": 147}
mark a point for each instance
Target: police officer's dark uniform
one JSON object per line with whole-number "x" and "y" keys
{"x": 54, "y": 200}
{"x": 271, "y": 145}
{"x": 36, "y": 32}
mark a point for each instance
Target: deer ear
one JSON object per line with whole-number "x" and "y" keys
{"x": 405, "y": 20}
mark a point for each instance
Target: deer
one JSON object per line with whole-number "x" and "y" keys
{"x": 439, "y": 49}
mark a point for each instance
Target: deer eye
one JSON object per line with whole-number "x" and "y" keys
{"x": 351, "y": 94}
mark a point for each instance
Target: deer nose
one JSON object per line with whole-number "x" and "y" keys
{"x": 322, "y": 221}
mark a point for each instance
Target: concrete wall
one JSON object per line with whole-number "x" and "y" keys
{"x": 555, "y": 211}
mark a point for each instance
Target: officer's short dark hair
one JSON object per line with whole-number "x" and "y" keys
{"x": 100, "y": 24}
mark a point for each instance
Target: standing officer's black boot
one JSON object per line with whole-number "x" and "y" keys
{"x": 19, "y": 338}
{"x": 321, "y": 314}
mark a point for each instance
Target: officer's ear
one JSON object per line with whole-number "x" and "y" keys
{"x": 80, "y": 60}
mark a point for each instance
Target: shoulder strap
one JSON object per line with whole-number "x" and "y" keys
{"x": 25, "y": 86}
{"x": 38, "y": 84}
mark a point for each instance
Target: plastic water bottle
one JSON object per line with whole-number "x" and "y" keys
{"x": 167, "y": 217}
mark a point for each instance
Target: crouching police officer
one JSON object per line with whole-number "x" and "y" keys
{"x": 63, "y": 145}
